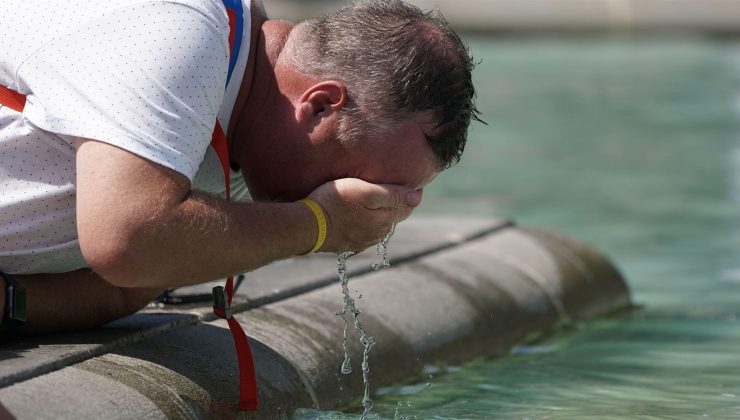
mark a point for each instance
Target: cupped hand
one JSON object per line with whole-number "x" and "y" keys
{"x": 360, "y": 213}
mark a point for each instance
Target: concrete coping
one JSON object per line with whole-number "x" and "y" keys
{"x": 457, "y": 289}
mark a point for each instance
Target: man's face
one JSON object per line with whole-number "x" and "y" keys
{"x": 288, "y": 167}
{"x": 402, "y": 157}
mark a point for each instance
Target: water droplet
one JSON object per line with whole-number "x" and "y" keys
{"x": 346, "y": 367}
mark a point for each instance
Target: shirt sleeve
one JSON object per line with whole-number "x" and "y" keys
{"x": 148, "y": 78}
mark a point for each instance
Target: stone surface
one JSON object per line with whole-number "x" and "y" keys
{"x": 457, "y": 289}
{"x": 282, "y": 279}
{"x": 22, "y": 358}
{"x": 476, "y": 299}
{"x": 25, "y": 357}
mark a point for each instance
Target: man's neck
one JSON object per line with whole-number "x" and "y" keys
{"x": 258, "y": 87}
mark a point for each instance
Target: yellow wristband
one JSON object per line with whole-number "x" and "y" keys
{"x": 318, "y": 212}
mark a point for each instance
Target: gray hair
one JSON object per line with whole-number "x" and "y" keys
{"x": 396, "y": 61}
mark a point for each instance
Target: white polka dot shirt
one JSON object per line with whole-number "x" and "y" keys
{"x": 146, "y": 76}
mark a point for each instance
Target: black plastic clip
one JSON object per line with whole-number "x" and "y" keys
{"x": 220, "y": 305}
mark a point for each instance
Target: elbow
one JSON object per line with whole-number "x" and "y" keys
{"x": 115, "y": 258}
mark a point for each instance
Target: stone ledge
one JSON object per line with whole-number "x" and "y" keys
{"x": 477, "y": 297}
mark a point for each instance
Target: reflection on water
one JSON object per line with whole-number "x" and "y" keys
{"x": 638, "y": 365}
{"x": 632, "y": 145}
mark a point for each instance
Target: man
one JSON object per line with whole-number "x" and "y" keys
{"x": 109, "y": 192}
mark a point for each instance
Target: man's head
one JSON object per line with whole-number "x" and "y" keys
{"x": 378, "y": 90}
{"x": 397, "y": 63}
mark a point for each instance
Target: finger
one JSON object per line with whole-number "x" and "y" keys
{"x": 403, "y": 213}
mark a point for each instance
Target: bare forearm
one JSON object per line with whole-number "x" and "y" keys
{"x": 76, "y": 300}
{"x": 205, "y": 238}
{"x": 140, "y": 225}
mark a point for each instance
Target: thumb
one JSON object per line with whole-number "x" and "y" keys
{"x": 392, "y": 196}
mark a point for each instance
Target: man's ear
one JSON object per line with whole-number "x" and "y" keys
{"x": 321, "y": 100}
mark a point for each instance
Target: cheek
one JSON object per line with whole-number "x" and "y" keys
{"x": 419, "y": 171}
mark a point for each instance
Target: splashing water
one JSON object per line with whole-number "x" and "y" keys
{"x": 397, "y": 415}
{"x": 348, "y": 305}
{"x": 366, "y": 340}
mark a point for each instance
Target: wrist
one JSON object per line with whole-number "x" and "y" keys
{"x": 319, "y": 222}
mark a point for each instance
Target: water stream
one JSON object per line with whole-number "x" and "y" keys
{"x": 348, "y": 305}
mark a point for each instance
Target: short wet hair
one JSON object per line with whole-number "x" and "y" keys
{"x": 397, "y": 61}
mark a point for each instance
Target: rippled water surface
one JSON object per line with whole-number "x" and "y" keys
{"x": 632, "y": 145}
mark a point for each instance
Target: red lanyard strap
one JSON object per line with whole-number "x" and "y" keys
{"x": 222, "y": 298}
{"x": 12, "y": 99}
{"x": 248, "y": 400}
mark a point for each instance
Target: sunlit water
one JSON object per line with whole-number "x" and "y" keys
{"x": 632, "y": 145}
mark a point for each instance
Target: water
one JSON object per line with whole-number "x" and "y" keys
{"x": 366, "y": 340}
{"x": 632, "y": 145}
{"x": 382, "y": 250}
{"x": 348, "y": 305}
